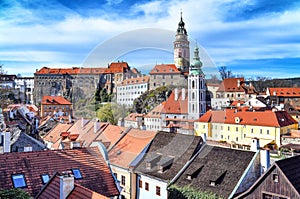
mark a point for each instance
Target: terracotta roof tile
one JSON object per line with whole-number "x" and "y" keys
{"x": 256, "y": 118}
{"x": 231, "y": 85}
{"x": 165, "y": 69}
{"x": 32, "y": 164}
{"x": 137, "y": 80}
{"x": 179, "y": 106}
{"x": 155, "y": 113}
{"x": 129, "y": 147}
{"x": 133, "y": 116}
{"x": 49, "y": 100}
{"x": 284, "y": 92}
{"x": 54, "y": 135}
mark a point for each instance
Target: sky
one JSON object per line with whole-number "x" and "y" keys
{"x": 250, "y": 37}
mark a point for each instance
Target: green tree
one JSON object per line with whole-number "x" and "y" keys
{"x": 111, "y": 112}
{"x": 14, "y": 193}
{"x": 187, "y": 192}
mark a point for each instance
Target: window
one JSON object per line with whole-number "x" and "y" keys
{"x": 116, "y": 175}
{"x": 266, "y": 196}
{"x": 140, "y": 184}
{"x": 236, "y": 129}
{"x": 251, "y": 130}
{"x": 260, "y": 131}
{"x": 237, "y": 139}
{"x": 268, "y": 132}
{"x": 123, "y": 180}
{"x": 76, "y": 173}
{"x": 275, "y": 177}
{"x": 228, "y": 128}
{"x": 146, "y": 186}
{"x": 158, "y": 190}
{"x": 18, "y": 180}
{"x": 45, "y": 178}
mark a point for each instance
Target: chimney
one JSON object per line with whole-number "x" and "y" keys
{"x": 5, "y": 139}
{"x": 66, "y": 183}
{"x": 238, "y": 83}
{"x": 95, "y": 126}
{"x": 254, "y": 145}
{"x": 176, "y": 94}
{"x": 82, "y": 122}
{"x": 264, "y": 160}
{"x": 183, "y": 94}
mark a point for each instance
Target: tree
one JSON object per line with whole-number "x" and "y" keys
{"x": 14, "y": 193}
{"x": 111, "y": 112}
{"x": 225, "y": 73}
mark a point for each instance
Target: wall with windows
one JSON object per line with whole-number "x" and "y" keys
{"x": 124, "y": 177}
{"x": 126, "y": 94}
{"x": 149, "y": 188}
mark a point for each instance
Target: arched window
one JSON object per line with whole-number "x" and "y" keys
{"x": 193, "y": 95}
{"x": 193, "y": 108}
{"x": 193, "y": 84}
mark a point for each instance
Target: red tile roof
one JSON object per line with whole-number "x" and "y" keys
{"x": 95, "y": 172}
{"x": 133, "y": 116}
{"x": 52, "y": 190}
{"x": 178, "y": 106}
{"x": 115, "y": 67}
{"x": 137, "y": 80}
{"x": 231, "y": 85}
{"x": 50, "y": 100}
{"x": 165, "y": 69}
{"x": 284, "y": 92}
{"x": 155, "y": 113}
{"x": 129, "y": 147}
{"x": 55, "y": 134}
{"x": 255, "y": 118}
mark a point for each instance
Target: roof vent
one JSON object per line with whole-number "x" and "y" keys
{"x": 237, "y": 120}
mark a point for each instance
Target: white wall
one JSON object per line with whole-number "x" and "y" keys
{"x": 151, "y": 194}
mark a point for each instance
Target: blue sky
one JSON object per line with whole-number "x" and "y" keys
{"x": 251, "y": 37}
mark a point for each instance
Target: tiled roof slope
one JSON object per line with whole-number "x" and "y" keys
{"x": 231, "y": 85}
{"x": 257, "y": 118}
{"x": 133, "y": 116}
{"x": 155, "y": 113}
{"x": 212, "y": 164}
{"x": 50, "y": 100}
{"x": 95, "y": 172}
{"x": 137, "y": 80}
{"x": 52, "y": 190}
{"x": 129, "y": 147}
{"x": 54, "y": 135}
{"x": 290, "y": 168}
{"x": 181, "y": 147}
{"x": 285, "y": 92}
{"x": 178, "y": 106}
{"x": 165, "y": 69}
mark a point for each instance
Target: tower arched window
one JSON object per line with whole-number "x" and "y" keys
{"x": 193, "y": 95}
{"x": 193, "y": 84}
{"x": 193, "y": 108}
{"x": 201, "y": 84}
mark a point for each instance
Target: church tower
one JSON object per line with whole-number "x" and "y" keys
{"x": 181, "y": 47}
{"x": 196, "y": 88}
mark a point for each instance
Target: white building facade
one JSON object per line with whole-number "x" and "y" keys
{"x": 130, "y": 89}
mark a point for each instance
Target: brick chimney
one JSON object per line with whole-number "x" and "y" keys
{"x": 66, "y": 185}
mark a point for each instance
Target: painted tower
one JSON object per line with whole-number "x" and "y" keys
{"x": 182, "y": 47}
{"x": 196, "y": 88}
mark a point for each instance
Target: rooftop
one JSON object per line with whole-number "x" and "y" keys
{"x": 33, "y": 164}
{"x": 51, "y": 100}
{"x": 165, "y": 69}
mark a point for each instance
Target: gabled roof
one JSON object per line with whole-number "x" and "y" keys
{"x": 58, "y": 71}
{"x": 167, "y": 145}
{"x": 231, "y": 85}
{"x": 284, "y": 92}
{"x": 223, "y": 166}
{"x": 54, "y": 135}
{"x": 179, "y": 106}
{"x": 52, "y": 100}
{"x": 246, "y": 117}
{"x": 133, "y": 116}
{"x": 32, "y": 164}
{"x": 289, "y": 168}
{"x": 118, "y": 67}
{"x": 130, "y": 147}
{"x": 155, "y": 113}
{"x": 110, "y": 135}
{"x": 165, "y": 69}
{"x": 136, "y": 80}
{"x": 52, "y": 190}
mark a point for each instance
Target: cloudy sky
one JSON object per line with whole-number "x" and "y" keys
{"x": 250, "y": 37}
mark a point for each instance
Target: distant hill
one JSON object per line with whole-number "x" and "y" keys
{"x": 262, "y": 85}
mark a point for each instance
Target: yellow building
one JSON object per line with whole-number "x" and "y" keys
{"x": 239, "y": 126}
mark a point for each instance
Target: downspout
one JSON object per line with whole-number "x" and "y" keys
{"x": 244, "y": 174}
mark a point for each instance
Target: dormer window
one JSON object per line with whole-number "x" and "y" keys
{"x": 275, "y": 177}
{"x": 212, "y": 183}
{"x": 45, "y": 178}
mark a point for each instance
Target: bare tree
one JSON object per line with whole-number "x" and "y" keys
{"x": 224, "y": 72}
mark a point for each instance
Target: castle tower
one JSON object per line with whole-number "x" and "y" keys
{"x": 196, "y": 88}
{"x": 182, "y": 48}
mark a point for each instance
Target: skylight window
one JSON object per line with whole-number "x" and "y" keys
{"x": 45, "y": 178}
{"x": 77, "y": 174}
{"x": 18, "y": 180}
